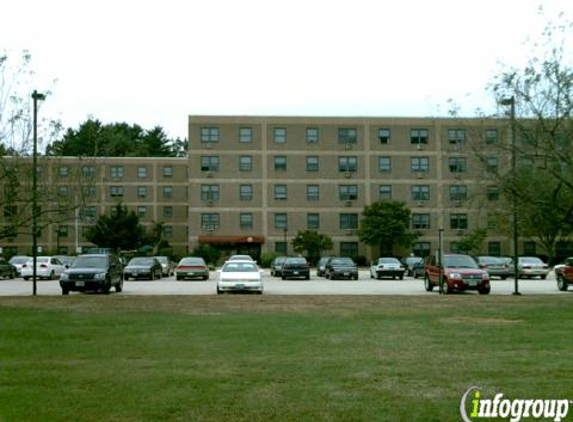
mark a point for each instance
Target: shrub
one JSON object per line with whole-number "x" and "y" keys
{"x": 267, "y": 259}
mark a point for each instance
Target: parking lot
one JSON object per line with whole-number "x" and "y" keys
{"x": 275, "y": 286}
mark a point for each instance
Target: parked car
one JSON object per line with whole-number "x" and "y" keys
{"x": 240, "y": 276}
{"x": 496, "y": 266}
{"x": 341, "y": 267}
{"x": 321, "y": 266}
{"x": 18, "y": 261}
{"x": 564, "y": 274}
{"x": 7, "y": 270}
{"x": 143, "y": 267}
{"x": 191, "y": 267}
{"x": 65, "y": 260}
{"x": 93, "y": 272}
{"x": 277, "y": 266}
{"x": 419, "y": 269}
{"x": 387, "y": 267}
{"x": 166, "y": 265}
{"x": 47, "y": 267}
{"x": 458, "y": 272}
{"x": 531, "y": 266}
{"x": 409, "y": 263}
{"x": 295, "y": 267}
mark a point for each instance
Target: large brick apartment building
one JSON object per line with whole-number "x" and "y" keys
{"x": 250, "y": 183}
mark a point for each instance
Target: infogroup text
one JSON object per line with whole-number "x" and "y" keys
{"x": 473, "y": 407}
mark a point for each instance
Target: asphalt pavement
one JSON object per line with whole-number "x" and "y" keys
{"x": 275, "y": 286}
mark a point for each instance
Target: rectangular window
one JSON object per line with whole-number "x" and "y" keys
{"x": 245, "y": 163}
{"x": 313, "y": 221}
{"x": 168, "y": 211}
{"x": 348, "y": 221}
{"x": 281, "y": 220}
{"x": 385, "y": 164}
{"x": 246, "y": 192}
{"x": 280, "y": 192}
{"x": 494, "y": 248}
{"x": 246, "y": 220}
{"x": 420, "y": 192}
{"x": 89, "y": 191}
{"x": 419, "y": 136}
{"x": 491, "y": 164}
{"x": 209, "y": 135}
{"x": 281, "y": 248}
{"x": 349, "y": 249}
{"x": 116, "y": 172}
{"x": 10, "y": 211}
{"x": 491, "y": 136}
{"x": 63, "y": 171}
{"x": 458, "y": 192}
{"x": 210, "y": 163}
{"x": 167, "y": 171}
{"x": 421, "y": 249}
{"x": 420, "y": 164}
{"x": 142, "y": 172}
{"x": 116, "y": 191}
{"x": 385, "y": 192}
{"x": 209, "y": 192}
{"x": 167, "y": 191}
{"x": 312, "y": 164}
{"x": 493, "y": 193}
{"x": 210, "y": 221}
{"x": 168, "y": 232}
{"x": 245, "y": 135}
{"x": 312, "y": 192}
{"x": 384, "y": 136}
{"x": 142, "y": 191}
{"x": 279, "y": 135}
{"x": 348, "y": 192}
{"x": 312, "y": 135}
{"x": 457, "y": 164}
{"x": 347, "y": 164}
{"x": 88, "y": 171}
{"x": 456, "y": 137}
{"x": 63, "y": 191}
{"x": 280, "y": 163}
{"x": 142, "y": 211}
{"x": 420, "y": 221}
{"x": 458, "y": 221}
{"x": 347, "y": 136}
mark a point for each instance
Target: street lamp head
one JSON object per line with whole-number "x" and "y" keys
{"x": 507, "y": 101}
{"x": 38, "y": 96}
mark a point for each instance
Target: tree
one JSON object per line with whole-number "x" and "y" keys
{"x": 119, "y": 230}
{"x": 386, "y": 224}
{"x": 313, "y": 243}
{"x": 95, "y": 139}
{"x": 472, "y": 241}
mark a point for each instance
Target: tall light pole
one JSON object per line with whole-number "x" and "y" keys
{"x": 36, "y": 96}
{"x": 511, "y": 102}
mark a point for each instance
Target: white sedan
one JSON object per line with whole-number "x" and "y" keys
{"x": 387, "y": 267}
{"x": 240, "y": 276}
{"x": 47, "y": 267}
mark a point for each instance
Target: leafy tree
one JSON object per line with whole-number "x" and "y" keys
{"x": 95, "y": 139}
{"x": 120, "y": 230}
{"x": 386, "y": 224}
{"x": 210, "y": 254}
{"x": 313, "y": 243}
{"x": 472, "y": 242}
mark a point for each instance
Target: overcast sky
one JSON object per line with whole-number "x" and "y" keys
{"x": 156, "y": 62}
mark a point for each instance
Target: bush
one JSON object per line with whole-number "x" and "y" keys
{"x": 210, "y": 254}
{"x": 267, "y": 259}
{"x": 360, "y": 260}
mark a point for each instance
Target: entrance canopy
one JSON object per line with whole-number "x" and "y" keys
{"x": 231, "y": 239}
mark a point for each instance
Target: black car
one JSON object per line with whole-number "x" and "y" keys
{"x": 341, "y": 268}
{"x": 7, "y": 270}
{"x": 295, "y": 268}
{"x": 142, "y": 267}
{"x": 277, "y": 266}
{"x": 93, "y": 272}
{"x": 321, "y": 266}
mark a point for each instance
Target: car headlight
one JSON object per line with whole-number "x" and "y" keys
{"x": 99, "y": 276}
{"x": 64, "y": 276}
{"x": 456, "y": 276}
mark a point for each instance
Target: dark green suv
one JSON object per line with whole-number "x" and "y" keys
{"x": 93, "y": 272}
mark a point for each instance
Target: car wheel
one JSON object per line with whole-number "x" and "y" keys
{"x": 503, "y": 277}
{"x": 152, "y": 276}
{"x": 401, "y": 277}
{"x": 543, "y": 277}
{"x": 205, "y": 278}
{"x": 219, "y": 292}
{"x": 484, "y": 290}
{"x": 427, "y": 284}
{"x": 52, "y": 276}
{"x": 178, "y": 278}
{"x": 561, "y": 283}
{"x": 26, "y": 278}
{"x": 446, "y": 288}
{"x": 65, "y": 292}
{"x": 105, "y": 288}
{"x": 119, "y": 286}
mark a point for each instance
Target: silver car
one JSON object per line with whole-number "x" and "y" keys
{"x": 531, "y": 266}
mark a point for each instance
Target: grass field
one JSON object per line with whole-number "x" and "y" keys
{"x": 249, "y": 358}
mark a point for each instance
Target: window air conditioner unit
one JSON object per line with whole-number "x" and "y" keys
{"x": 348, "y": 175}
{"x": 420, "y": 146}
{"x": 457, "y": 203}
{"x": 348, "y": 145}
{"x": 348, "y": 203}
{"x": 209, "y": 145}
{"x": 420, "y": 175}
{"x": 350, "y": 232}
{"x": 421, "y": 203}
{"x": 209, "y": 174}
{"x": 210, "y": 202}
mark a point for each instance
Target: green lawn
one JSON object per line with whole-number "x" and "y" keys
{"x": 249, "y": 358}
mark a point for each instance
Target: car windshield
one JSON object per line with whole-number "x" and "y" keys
{"x": 459, "y": 261}
{"x": 342, "y": 261}
{"x": 530, "y": 261}
{"x": 19, "y": 260}
{"x": 239, "y": 267}
{"x": 162, "y": 259}
{"x": 490, "y": 260}
{"x": 192, "y": 261}
{"x": 296, "y": 261}
{"x": 39, "y": 260}
{"x": 388, "y": 261}
{"x": 141, "y": 261}
{"x": 413, "y": 259}
{"x": 90, "y": 262}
